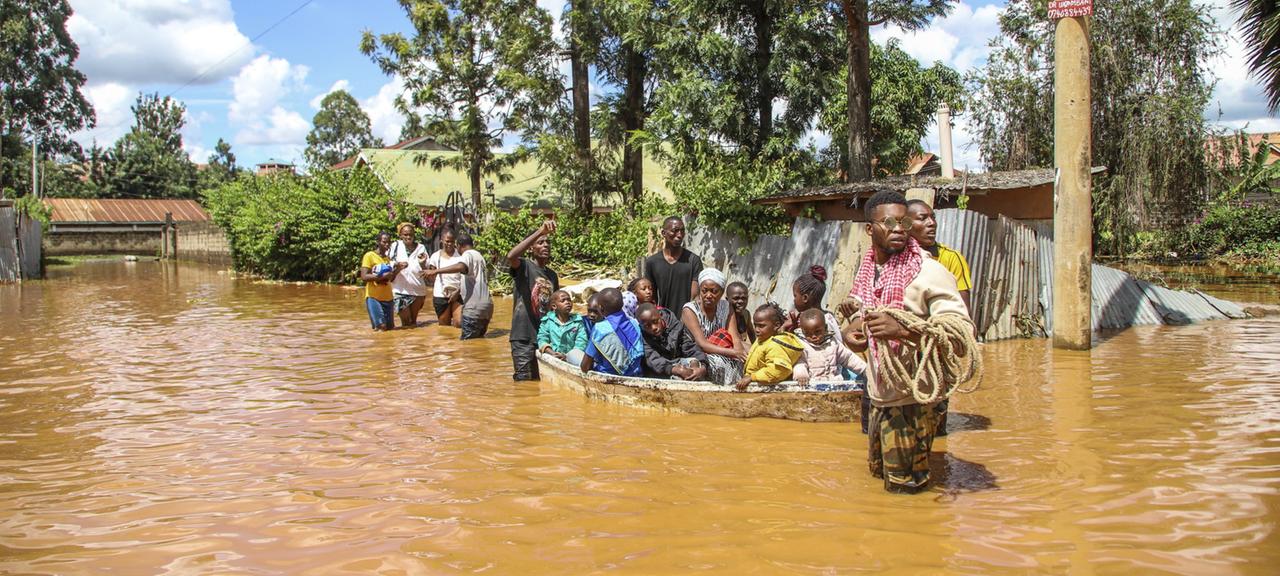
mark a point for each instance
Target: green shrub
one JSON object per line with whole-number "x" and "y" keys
{"x": 719, "y": 188}
{"x": 1246, "y": 230}
{"x": 609, "y": 241}
{"x": 305, "y": 228}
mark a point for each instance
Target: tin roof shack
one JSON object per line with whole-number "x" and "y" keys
{"x": 113, "y": 226}
{"x": 1017, "y": 194}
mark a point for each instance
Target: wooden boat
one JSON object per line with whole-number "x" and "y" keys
{"x": 816, "y": 402}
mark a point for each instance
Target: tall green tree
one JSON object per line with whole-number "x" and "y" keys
{"x": 220, "y": 169}
{"x": 904, "y": 96}
{"x": 148, "y": 161}
{"x": 339, "y": 130}
{"x": 1150, "y": 87}
{"x": 859, "y": 16}
{"x": 482, "y": 70}
{"x": 40, "y": 88}
{"x": 1260, "y": 22}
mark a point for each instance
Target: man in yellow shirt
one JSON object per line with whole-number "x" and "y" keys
{"x": 924, "y": 228}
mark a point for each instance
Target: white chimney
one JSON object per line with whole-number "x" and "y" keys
{"x": 944, "y": 137}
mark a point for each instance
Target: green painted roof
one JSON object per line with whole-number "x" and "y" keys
{"x": 411, "y": 172}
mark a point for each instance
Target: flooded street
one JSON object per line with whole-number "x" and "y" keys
{"x": 161, "y": 418}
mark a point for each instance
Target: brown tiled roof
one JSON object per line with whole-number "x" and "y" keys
{"x": 123, "y": 210}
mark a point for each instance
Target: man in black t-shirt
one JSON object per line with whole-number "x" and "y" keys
{"x": 534, "y": 283}
{"x": 673, "y": 270}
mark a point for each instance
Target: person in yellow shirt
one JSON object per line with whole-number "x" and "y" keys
{"x": 377, "y": 271}
{"x": 774, "y": 353}
{"x": 924, "y": 228}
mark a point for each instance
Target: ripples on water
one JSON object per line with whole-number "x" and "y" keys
{"x": 169, "y": 419}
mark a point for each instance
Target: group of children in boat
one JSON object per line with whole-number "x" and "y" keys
{"x": 683, "y": 321}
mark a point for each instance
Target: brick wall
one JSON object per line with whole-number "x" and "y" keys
{"x": 203, "y": 242}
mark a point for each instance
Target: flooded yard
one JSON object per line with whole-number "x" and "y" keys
{"x": 162, "y": 418}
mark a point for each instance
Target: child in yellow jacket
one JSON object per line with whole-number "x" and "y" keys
{"x": 775, "y": 352}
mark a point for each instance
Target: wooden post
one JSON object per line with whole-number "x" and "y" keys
{"x": 1072, "y": 208}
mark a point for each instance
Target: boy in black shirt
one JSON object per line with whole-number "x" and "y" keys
{"x": 534, "y": 283}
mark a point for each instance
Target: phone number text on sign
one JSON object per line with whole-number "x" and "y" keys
{"x": 1069, "y": 8}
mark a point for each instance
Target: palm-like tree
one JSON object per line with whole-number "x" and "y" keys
{"x": 1260, "y": 21}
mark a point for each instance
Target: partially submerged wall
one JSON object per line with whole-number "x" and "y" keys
{"x": 203, "y": 242}
{"x": 106, "y": 241}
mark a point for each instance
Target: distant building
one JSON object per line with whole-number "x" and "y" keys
{"x": 419, "y": 143}
{"x": 113, "y": 226}
{"x": 275, "y": 167}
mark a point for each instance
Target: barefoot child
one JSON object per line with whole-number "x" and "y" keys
{"x": 774, "y": 353}
{"x": 563, "y": 331}
{"x": 670, "y": 350}
{"x": 825, "y": 356}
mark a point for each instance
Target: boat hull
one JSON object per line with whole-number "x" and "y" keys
{"x": 818, "y": 402}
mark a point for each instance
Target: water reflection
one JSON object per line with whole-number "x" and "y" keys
{"x": 163, "y": 418}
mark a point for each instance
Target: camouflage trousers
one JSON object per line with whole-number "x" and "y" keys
{"x": 898, "y": 445}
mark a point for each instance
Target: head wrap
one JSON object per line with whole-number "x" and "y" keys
{"x": 713, "y": 275}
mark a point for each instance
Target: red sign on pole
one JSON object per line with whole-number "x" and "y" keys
{"x": 1069, "y": 8}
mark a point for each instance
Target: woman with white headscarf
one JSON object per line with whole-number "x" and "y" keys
{"x": 710, "y": 320}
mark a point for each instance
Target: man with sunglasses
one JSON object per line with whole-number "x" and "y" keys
{"x": 897, "y": 273}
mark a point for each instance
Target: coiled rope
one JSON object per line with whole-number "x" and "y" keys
{"x": 949, "y": 356}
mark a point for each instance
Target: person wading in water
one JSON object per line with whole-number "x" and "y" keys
{"x": 673, "y": 271}
{"x": 895, "y": 274}
{"x": 924, "y": 229}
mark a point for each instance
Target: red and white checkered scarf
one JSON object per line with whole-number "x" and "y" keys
{"x": 887, "y": 290}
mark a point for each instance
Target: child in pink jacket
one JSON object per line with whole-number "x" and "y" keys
{"x": 825, "y": 356}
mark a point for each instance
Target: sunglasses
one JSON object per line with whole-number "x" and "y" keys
{"x": 890, "y": 223}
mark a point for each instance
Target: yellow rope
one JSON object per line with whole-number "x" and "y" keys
{"x": 949, "y": 356}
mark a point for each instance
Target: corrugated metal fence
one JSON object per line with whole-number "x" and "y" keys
{"x": 19, "y": 244}
{"x": 1011, "y": 263}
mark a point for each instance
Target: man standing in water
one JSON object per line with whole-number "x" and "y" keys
{"x": 924, "y": 228}
{"x": 895, "y": 273}
{"x": 534, "y": 283}
{"x": 673, "y": 271}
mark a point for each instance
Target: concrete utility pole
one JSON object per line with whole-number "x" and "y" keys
{"x": 1072, "y": 207}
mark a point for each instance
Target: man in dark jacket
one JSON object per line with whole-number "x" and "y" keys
{"x": 669, "y": 348}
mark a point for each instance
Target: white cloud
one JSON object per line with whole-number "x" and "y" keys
{"x": 157, "y": 41}
{"x": 385, "y": 120}
{"x": 258, "y": 90}
{"x": 319, "y": 98}
{"x": 1238, "y": 100}
{"x": 959, "y": 40}
{"x": 261, "y": 84}
{"x": 111, "y": 102}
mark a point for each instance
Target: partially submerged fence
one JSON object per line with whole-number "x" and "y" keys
{"x": 1011, "y": 262}
{"x": 20, "y": 256}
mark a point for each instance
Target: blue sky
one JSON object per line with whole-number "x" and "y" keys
{"x": 262, "y": 95}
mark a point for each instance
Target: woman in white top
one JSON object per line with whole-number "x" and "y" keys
{"x": 409, "y": 288}
{"x": 446, "y": 291}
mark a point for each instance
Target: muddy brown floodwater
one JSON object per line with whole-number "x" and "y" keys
{"x": 159, "y": 418}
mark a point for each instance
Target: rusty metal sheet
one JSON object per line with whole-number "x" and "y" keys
{"x": 967, "y": 232}
{"x": 811, "y": 243}
{"x": 1227, "y": 308}
{"x": 1119, "y": 301}
{"x": 111, "y": 210}
{"x": 29, "y": 236}
{"x": 1044, "y": 257}
{"x": 10, "y": 269}
{"x": 1177, "y": 307}
{"x": 1011, "y": 309}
